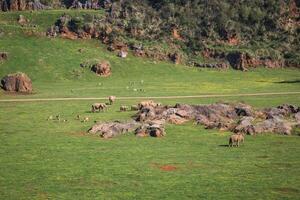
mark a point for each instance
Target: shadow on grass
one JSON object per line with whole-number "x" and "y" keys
{"x": 223, "y": 145}
{"x": 291, "y": 81}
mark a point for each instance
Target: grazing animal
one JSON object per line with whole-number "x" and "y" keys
{"x": 50, "y": 118}
{"x": 98, "y": 106}
{"x": 123, "y": 108}
{"x": 78, "y": 117}
{"x": 134, "y": 108}
{"x": 57, "y": 117}
{"x": 111, "y": 99}
{"x": 235, "y": 140}
{"x": 86, "y": 119}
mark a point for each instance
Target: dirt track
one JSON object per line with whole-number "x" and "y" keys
{"x": 151, "y": 97}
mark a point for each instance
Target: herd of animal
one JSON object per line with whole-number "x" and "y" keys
{"x": 235, "y": 140}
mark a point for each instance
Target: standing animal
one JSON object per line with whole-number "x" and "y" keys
{"x": 111, "y": 99}
{"x": 98, "y": 106}
{"x": 235, "y": 140}
{"x": 78, "y": 117}
{"x": 57, "y": 117}
{"x": 134, "y": 108}
{"x": 123, "y": 108}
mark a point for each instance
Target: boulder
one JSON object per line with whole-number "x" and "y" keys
{"x": 175, "y": 119}
{"x": 22, "y": 20}
{"x": 18, "y": 82}
{"x": 297, "y": 117}
{"x": 245, "y": 126}
{"x": 112, "y": 129}
{"x": 274, "y": 125}
{"x": 4, "y": 6}
{"x": 67, "y": 34}
{"x": 244, "y": 110}
{"x": 238, "y": 60}
{"x": 154, "y": 130}
{"x": 102, "y": 69}
{"x": 281, "y": 111}
{"x": 35, "y": 5}
{"x": 176, "y": 58}
{"x": 52, "y": 31}
{"x": 17, "y": 5}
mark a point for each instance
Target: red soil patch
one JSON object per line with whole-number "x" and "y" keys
{"x": 167, "y": 168}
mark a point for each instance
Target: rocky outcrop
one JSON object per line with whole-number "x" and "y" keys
{"x": 238, "y": 118}
{"x": 102, "y": 69}
{"x": 113, "y": 129}
{"x": 153, "y": 130}
{"x": 20, "y": 5}
{"x": 238, "y": 60}
{"x": 18, "y": 82}
{"x": 36, "y": 5}
{"x": 243, "y": 61}
{"x": 90, "y": 4}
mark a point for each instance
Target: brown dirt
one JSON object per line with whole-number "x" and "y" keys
{"x": 167, "y": 168}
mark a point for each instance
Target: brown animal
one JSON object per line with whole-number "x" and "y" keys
{"x": 235, "y": 140}
{"x": 123, "y": 108}
{"x": 111, "y": 99}
{"x": 98, "y": 107}
{"x": 148, "y": 103}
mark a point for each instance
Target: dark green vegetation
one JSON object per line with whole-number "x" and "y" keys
{"x": 42, "y": 159}
{"x": 264, "y": 30}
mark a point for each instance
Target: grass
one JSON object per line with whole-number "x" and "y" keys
{"x": 42, "y": 159}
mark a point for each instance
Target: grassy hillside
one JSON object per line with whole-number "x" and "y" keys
{"x": 42, "y": 159}
{"x": 55, "y": 63}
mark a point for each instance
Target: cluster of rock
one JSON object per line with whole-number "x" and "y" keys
{"x": 18, "y": 82}
{"x": 237, "y": 118}
{"x": 19, "y": 5}
{"x": 90, "y": 4}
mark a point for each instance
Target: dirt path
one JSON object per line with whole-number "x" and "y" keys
{"x": 151, "y": 97}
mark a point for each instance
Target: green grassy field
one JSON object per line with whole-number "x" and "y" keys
{"x": 42, "y": 159}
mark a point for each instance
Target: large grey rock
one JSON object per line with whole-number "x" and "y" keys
{"x": 112, "y": 129}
